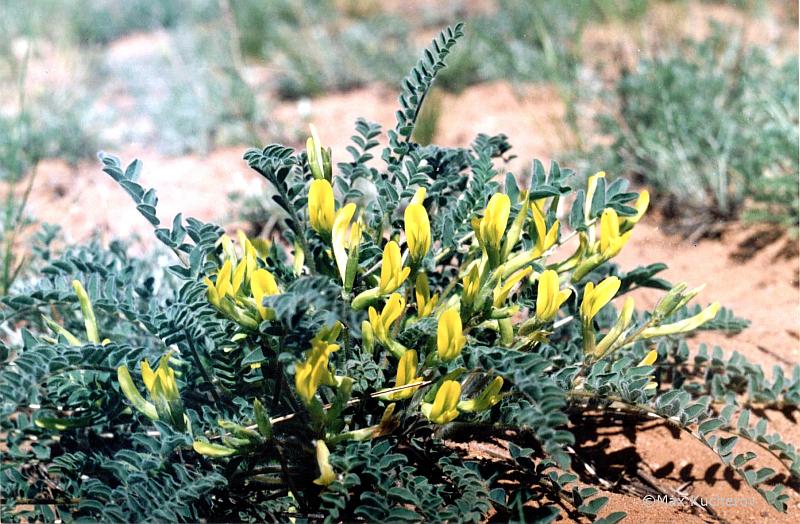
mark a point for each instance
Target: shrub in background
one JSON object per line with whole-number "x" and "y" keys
{"x": 315, "y": 375}
{"x": 712, "y": 128}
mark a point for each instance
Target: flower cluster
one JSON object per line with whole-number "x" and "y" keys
{"x": 240, "y": 285}
{"x": 505, "y": 257}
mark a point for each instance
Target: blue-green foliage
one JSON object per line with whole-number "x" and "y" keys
{"x": 75, "y": 450}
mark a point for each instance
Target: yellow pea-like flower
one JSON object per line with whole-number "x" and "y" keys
{"x": 685, "y": 325}
{"x": 616, "y": 331}
{"x": 314, "y": 371}
{"x": 321, "y": 206}
{"x": 128, "y": 389}
{"x": 488, "y": 397}
{"x": 472, "y": 286}
{"x": 549, "y": 297}
{"x": 406, "y": 374}
{"x": 326, "y": 473}
{"x": 515, "y": 231}
{"x": 382, "y": 324}
{"x": 223, "y": 284}
{"x": 249, "y": 253}
{"x": 545, "y": 238}
{"x": 238, "y": 276}
{"x": 418, "y": 230}
{"x": 419, "y": 196}
{"x": 393, "y": 274}
{"x": 641, "y": 205}
{"x": 594, "y": 298}
{"x": 162, "y": 388}
{"x": 160, "y": 382}
{"x": 263, "y": 284}
{"x": 611, "y": 241}
{"x": 345, "y": 240}
{"x": 501, "y": 292}
{"x": 493, "y": 225}
{"x": 445, "y": 406}
{"x": 450, "y": 337}
{"x": 591, "y": 189}
{"x": 422, "y": 291}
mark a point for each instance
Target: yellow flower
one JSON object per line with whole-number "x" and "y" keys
{"x": 622, "y": 323}
{"x": 249, "y": 253}
{"x": 367, "y": 337}
{"x": 132, "y": 394}
{"x": 419, "y": 196}
{"x": 422, "y": 291}
{"x": 549, "y": 297}
{"x": 450, "y": 338}
{"x": 345, "y": 246}
{"x": 319, "y": 158}
{"x": 162, "y": 380}
{"x": 591, "y": 188}
{"x": 382, "y": 324}
{"x": 406, "y": 374}
{"x": 262, "y": 284}
{"x": 218, "y": 290}
{"x": 685, "y": 325}
{"x": 240, "y": 285}
{"x": 238, "y": 276}
{"x": 472, "y": 286}
{"x": 648, "y": 359}
{"x": 444, "y": 407}
{"x": 418, "y": 231}
{"x": 611, "y": 242}
{"x": 641, "y": 206}
{"x": 545, "y": 238}
{"x": 321, "y": 206}
{"x": 89, "y": 320}
{"x": 393, "y": 274}
{"x": 162, "y": 388}
{"x": 326, "y": 473}
{"x": 493, "y": 225}
{"x": 594, "y": 298}
{"x": 515, "y": 231}
{"x": 314, "y": 371}
{"x": 500, "y": 293}
{"x": 488, "y": 397}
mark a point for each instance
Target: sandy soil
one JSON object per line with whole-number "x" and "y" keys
{"x": 763, "y": 290}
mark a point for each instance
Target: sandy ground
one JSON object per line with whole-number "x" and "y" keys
{"x": 763, "y": 290}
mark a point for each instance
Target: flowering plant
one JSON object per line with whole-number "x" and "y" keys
{"x": 327, "y": 372}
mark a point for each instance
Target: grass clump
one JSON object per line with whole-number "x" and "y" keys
{"x": 712, "y": 128}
